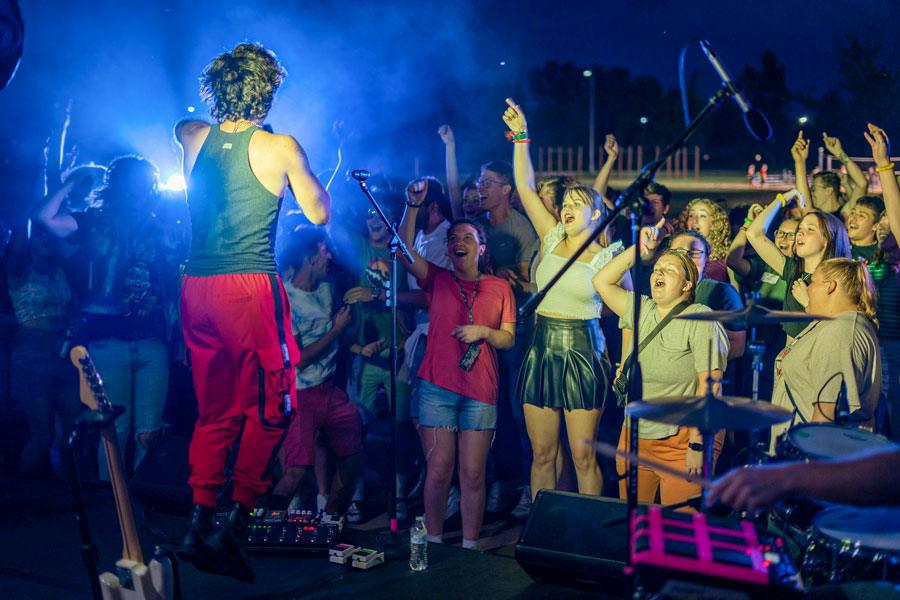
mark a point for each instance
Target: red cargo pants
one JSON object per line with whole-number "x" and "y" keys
{"x": 238, "y": 333}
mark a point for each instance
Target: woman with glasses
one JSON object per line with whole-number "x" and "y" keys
{"x": 717, "y": 295}
{"x": 471, "y": 316}
{"x": 566, "y": 372}
{"x": 711, "y": 220}
{"x": 679, "y": 361}
{"x": 819, "y": 237}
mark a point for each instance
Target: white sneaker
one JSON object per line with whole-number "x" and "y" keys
{"x": 452, "y": 503}
{"x": 523, "y": 507}
{"x": 354, "y": 514}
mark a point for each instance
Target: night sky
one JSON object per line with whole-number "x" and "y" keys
{"x": 131, "y": 68}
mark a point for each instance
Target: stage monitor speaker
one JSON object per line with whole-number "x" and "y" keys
{"x": 576, "y": 540}
{"x": 161, "y": 480}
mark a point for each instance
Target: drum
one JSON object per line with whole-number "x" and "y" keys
{"x": 826, "y": 441}
{"x": 853, "y": 544}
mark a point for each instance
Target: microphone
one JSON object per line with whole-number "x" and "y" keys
{"x": 755, "y": 121}
{"x": 359, "y": 174}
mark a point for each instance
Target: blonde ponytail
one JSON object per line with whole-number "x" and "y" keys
{"x": 854, "y": 280}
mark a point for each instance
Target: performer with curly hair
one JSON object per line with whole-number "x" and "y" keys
{"x": 234, "y": 309}
{"x": 711, "y": 221}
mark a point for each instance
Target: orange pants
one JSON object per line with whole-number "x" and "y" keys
{"x": 655, "y": 486}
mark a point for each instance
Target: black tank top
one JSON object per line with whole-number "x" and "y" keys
{"x": 233, "y": 217}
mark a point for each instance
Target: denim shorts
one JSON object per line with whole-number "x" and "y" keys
{"x": 442, "y": 408}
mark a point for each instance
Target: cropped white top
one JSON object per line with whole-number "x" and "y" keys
{"x": 574, "y": 295}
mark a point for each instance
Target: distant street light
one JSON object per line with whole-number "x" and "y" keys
{"x": 803, "y": 119}
{"x": 593, "y": 90}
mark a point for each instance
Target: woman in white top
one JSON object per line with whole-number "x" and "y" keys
{"x": 565, "y": 372}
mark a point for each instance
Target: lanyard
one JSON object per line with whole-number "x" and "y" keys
{"x": 463, "y": 294}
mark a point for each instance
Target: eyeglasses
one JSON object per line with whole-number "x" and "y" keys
{"x": 487, "y": 182}
{"x": 785, "y": 234}
{"x": 690, "y": 253}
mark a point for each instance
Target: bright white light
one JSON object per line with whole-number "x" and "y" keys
{"x": 803, "y": 119}
{"x": 502, "y": 63}
{"x": 588, "y": 73}
{"x": 174, "y": 183}
{"x": 643, "y": 120}
{"x": 190, "y": 109}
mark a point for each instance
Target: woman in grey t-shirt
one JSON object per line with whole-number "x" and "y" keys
{"x": 677, "y": 362}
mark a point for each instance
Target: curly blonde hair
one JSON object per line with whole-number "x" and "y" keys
{"x": 719, "y": 230}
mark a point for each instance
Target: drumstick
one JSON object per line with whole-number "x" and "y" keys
{"x": 610, "y": 451}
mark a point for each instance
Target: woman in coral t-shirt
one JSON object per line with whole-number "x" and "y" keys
{"x": 472, "y": 315}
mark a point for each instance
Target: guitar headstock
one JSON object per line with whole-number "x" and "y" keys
{"x": 91, "y": 386}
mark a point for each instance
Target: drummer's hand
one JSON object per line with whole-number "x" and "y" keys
{"x": 693, "y": 462}
{"x": 749, "y": 489}
{"x": 800, "y": 293}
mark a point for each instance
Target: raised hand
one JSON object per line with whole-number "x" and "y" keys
{"x": 416, "y": 191}
{"x": 881, "y": 145}
{"x": 514, "y": 117}
{"x": 754, "y": 211}
{"x": 446, "y": 135}
{"x": 649, "y": 237}
{"x": 611, "y": 146}
{"x": 833, "y": 145}
{"x": 800, "y": 149}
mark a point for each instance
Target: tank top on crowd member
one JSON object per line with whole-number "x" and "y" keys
{"x": 573, "y": 295}
{"x": 233, "y": 216}
{"x": 42, "y": 295}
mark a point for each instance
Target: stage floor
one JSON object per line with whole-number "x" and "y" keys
{"x": 40, "y": 557}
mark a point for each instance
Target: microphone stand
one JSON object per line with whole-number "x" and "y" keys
{"x": 631, "y": 197}
{"x": 395, "y": 244}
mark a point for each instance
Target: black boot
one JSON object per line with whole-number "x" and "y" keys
{"x": 227, "y": 544}
{"x": 195, "y": 547}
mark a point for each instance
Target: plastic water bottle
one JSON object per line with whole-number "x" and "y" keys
{"x": 418, "y": 545}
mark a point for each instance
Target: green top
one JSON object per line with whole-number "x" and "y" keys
{"x": 233, "y": 217}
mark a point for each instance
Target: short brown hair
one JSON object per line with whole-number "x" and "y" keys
{"x": 241, "y": 84}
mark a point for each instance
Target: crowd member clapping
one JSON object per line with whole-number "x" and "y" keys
{"x": 827, "y": 354}
{"x": 820, "y": 236}
{"x": 565, "y": 371}
{"x": 472, "y": 315}
{"x": 677, "y": 362}
{"x": 711, "y": 221}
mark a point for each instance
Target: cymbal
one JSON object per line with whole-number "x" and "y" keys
{"x": 753, "y": 315}
{"x": 710, "y": 413}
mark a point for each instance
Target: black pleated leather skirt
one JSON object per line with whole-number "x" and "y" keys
{"x": 565, "y": 366}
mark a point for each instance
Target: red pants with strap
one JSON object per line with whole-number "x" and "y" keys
{"x": 238, "y": 333}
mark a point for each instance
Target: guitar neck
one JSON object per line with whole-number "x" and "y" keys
{"x": 131, "y": 545}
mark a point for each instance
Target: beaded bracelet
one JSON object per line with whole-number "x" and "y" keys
{"x": 517, "y": 136}
{"x": 521, "y": 141}
{"x": 887, "y": 167}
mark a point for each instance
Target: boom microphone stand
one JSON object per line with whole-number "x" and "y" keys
{"x": 395, "y": 244}
{"x": 631, "y": 197}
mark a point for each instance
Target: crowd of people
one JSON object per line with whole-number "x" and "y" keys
{"x": 490, "y": 408}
